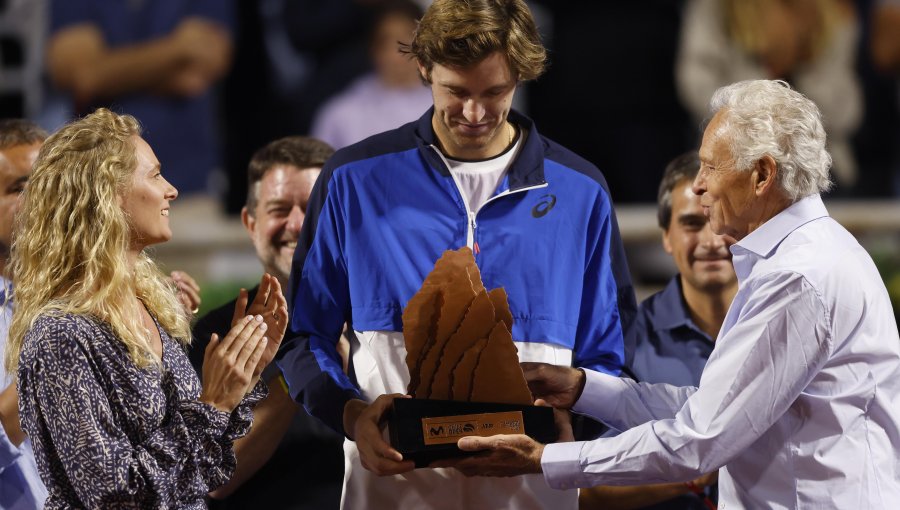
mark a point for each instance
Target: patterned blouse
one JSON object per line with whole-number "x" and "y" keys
{"x": 107, "y": 434}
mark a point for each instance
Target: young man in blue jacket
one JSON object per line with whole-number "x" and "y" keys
{"x": 470, "y": 172}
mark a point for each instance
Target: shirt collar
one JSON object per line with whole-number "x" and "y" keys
{"x": 527, "y": 169}
{"x": 670, "y": 310}
{"x": 763, "y": 241}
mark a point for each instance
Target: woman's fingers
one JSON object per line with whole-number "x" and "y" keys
{"x": 252, "y": 365}
{"x": 262, "y": 296}
{"x": 239, "y": 334}
{"x": 249, "y": 346}
{"x": 240, "y": 307}
{"x": 188, "y": 290}
{"x": 210, "y": 347}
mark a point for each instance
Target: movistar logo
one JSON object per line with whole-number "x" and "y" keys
{"x": 543, "y": 207}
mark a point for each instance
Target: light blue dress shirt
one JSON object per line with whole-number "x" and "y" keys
{"x": 799, "y": 401}
{"x": 20, "y": 484}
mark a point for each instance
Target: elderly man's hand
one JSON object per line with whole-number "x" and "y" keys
{"x": 559, "y": 386}
{"x": 500, "y": 455}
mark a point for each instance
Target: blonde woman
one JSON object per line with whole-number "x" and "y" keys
{"x": 116, "y": 414}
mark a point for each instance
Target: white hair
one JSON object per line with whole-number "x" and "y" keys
{"x": 768, "y": 117}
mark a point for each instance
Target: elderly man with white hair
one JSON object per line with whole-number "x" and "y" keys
{"x": 800, "y": 400}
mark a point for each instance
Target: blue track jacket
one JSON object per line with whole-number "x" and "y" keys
{"x": 385, "y": 209}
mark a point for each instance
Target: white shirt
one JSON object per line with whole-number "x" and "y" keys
{"x": 478, "y": 180}
{"x": 800, "y": 400}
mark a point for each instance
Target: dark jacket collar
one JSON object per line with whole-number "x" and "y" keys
{"x": 527, "y": 169}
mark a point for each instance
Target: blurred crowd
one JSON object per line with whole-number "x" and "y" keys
{"x": 212, "y": 81}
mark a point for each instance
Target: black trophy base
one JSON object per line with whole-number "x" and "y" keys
{"x": 427, "y": 430}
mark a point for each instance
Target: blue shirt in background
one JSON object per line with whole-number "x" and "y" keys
{"x": 670, "y": 348}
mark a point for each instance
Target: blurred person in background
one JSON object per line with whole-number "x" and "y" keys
{"x": 93, "y": 312}
{"x": 885, "y": 51}
{"x": 811, "y": 44}
{"x": 20, "y": 483}
{"x": 885, "y": 39}
{"x": 392, "y": 95}
{"x": 288, "y": 460}
{"x": 675, "y": 329}
{"x": 157, "y": 60}
{"x": 291, "y": 56}
{"x": 608, "y": 121}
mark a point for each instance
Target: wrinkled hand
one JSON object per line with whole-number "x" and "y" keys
{"x": 272, "y": 306}
{"x": 500, "y": 455}
{"x": 559, "y": 386}
{"x": 188, "y": 291}
{"x": 366, "y": 423}
{"x": 229, "y": 363}
{"x": 507, "y": 455}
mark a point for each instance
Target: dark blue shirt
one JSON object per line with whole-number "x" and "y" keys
{"x": 669, "y": 348}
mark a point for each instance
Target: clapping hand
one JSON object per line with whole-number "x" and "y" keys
{"x": 272, "y": 306}
{"x": 188, "y": 291}
{"x": 229, "y": 363}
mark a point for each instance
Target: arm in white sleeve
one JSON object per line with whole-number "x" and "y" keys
{"x": 780, "y": 340}
{"x": 623, "y": 403}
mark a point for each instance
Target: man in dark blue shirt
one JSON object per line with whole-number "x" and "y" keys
{"x": 675, "y": 329}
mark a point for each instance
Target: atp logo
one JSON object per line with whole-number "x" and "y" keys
{"x": 543, "y": 206}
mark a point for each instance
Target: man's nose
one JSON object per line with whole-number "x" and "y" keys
{"x": 711, "y": 240}
{"x": 473, "y": 111}
{"x": 295, "y": 219}
{"x": 699, "y": 184}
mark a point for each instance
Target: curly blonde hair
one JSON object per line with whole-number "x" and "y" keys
{"x": 69, "y": 250}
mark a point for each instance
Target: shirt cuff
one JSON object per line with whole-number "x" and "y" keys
{"x": 600, "y": 395}
{"x": 561, "y": 464}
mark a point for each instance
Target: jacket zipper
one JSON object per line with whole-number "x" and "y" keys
{"x": 471, "y": 242}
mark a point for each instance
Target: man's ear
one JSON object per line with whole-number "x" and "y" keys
{"x": 248, "y": 220}
{"x": 765, "y": 175}
{"x": 665, "y": 241}
{"x": 423, "y": 73}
